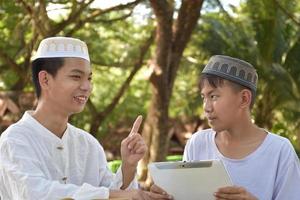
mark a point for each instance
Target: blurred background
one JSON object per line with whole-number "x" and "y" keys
{"x": 146, "y": 57}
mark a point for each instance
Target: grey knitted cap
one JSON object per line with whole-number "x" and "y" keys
{"x": 232, "y": 69}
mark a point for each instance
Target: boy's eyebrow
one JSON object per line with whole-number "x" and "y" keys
{"x": 208, "y": 93}
{"x": 80, "y": 71}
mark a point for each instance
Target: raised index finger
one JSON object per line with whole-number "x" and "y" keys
{"x": 136, "y": 125}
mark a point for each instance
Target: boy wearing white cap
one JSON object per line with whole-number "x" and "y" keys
{"x": 262, "y": 165}
{"x": 42, "y": 156}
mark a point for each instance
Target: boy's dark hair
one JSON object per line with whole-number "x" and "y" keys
{"x": 216, "y": 81}
{"x": 50, "y": 65}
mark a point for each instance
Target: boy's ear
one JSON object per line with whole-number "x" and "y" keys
{"x": 43, "y": 79}
{"x": 246, "y": 97}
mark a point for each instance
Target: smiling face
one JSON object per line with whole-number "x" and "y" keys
{"x": 67, "y": 92}
{"x": 222, "y": 105}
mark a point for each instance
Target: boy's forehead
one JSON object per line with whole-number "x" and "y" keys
{"x": 207, "y": 87}
{"x": 76, "y": 65}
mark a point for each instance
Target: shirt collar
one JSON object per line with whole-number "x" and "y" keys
{"x": 40, "y": 129}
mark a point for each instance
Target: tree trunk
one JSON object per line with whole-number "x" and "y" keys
{"x": 171, "y": 39}
{"x": 264, "y": 115}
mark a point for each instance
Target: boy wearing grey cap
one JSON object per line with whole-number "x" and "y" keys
{"x": 42, "y": 156}
{"x": 261, "y": 165}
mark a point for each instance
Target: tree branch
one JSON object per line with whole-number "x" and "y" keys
{"x": 27, "y": 61}
{"x": 163, "y": 11}
{"x": 112, "y": 20}
{"x": 100, "y": 116}
{"x": 292, "y": 17}
{"x": 223, "y": 10}
{"x": 74, "y": 15}
{"x": 43, "y": 13}
{"x": 188, "y": 16}
{"x": 10, "y": 62}
{"x": 143, "y": 50}
{"x": 80, "y": 23}
{"x": 92, "y": 108}
{"x": 97, "y": 12}
{"x": 32, "y": 13}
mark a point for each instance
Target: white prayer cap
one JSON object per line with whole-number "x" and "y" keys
{"x": 62, "y": 47}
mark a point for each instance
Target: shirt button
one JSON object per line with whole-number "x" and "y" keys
{"x": 60, "y": 148}
{"x": 64, "y": 179}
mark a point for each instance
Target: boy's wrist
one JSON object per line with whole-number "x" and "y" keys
{"x": 129, "y": 168}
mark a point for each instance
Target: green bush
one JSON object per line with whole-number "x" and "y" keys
{"x": 174, "y": 158}
{"x": 114, "y": 165}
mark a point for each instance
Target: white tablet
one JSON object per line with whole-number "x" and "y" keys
{"x": 190, "y": 180}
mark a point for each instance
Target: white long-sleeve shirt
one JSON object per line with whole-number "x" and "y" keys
{"x": 271, "y": 172}
{"x": 36, "y": 164}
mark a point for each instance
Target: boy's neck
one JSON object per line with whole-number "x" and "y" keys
{"x": 240, "y": 141}
{"x": 243, "y": 129}
{"x": 55, "y": 122}
{"x": 244, "y": 135}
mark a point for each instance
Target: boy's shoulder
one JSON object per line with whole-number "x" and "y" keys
{"x": 279, "y": 141}
{"x": 202, "y": 135}
{"x": 19, "y": 130}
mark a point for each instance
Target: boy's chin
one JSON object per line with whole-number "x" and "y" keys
{"x": 217, "y": 129}
{"x": 77, "y": 111}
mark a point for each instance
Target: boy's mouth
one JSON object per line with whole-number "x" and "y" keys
{"x": 81, "y": 99}
{"x": 211, "y": 118}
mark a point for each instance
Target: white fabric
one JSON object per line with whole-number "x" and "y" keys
{"x": 62, "y": 47}
{"x": 36, "y": 164}
{"x": 271, "y": 172}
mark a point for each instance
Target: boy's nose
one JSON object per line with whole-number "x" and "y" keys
{"x": 207, "y": 106}
{"x": 86, "y": 85}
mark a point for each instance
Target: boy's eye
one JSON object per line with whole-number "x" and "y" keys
{"x": 75, "y": 76}
{"x": 213, "y": 97}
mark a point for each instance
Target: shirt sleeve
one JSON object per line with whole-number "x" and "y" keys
{"x": 111, "y": 180}
{"x": 23, "y": 177}
{"x": 118, "y": 181}
{"x": 288, "y": 177}
{"x": 187, "y": 151}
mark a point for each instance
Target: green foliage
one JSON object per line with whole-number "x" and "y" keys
{"x": 186, "y": 99}
{"x": 114, "y": 165}
{"x": 14, "y": 31}
{"x": 174, "y": 158}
